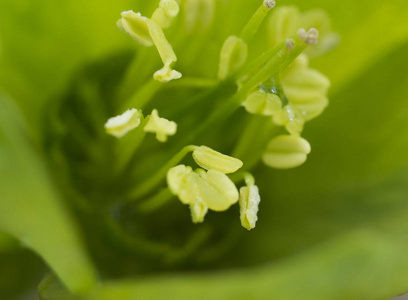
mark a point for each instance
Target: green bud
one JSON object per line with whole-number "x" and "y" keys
{"x": 286, "y": 152}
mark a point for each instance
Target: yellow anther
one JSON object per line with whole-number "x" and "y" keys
{"x": 177, "y": 181}
{"x": 286, "y": 152}
{"x": 233, "y": 55}
{"x": 208, "y": 158}
{"x": 161, "y": 126}
{"x": 134, "y": 24}
{"x": 249, "y": 200}
{"x": 202, "y": 190}
{"x": 261, "y": 103}
{"x": 120, "y": 125}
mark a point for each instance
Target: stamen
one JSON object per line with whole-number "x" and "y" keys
{"x": 311, "y": 37}
{"x": 202, "y": 190}
{"x": 269, "y": 3}
{"x": 165, "y": 51}
{"x": 120, "y": 125}
{"x": 286, "y": 152}
{"x": 208, "y": 158}
{"x": 302, "y": 34}
{"x": 161, "y": 126}
{"x": 290, "y": 44}
{"x": 134, "y": 24}
{"x": 249, "y": 200}
{"x": 253, "y": 24}
{"x": 167, "y": 10}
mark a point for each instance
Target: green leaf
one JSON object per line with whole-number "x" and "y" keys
{"x": 30, "y": 208}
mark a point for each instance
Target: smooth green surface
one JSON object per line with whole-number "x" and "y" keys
{"x": 31, "y": 210}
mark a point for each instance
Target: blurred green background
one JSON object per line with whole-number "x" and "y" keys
{"x": 335, "y": 228}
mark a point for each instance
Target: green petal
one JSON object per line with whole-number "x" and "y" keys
{"x": 30, "y": 209}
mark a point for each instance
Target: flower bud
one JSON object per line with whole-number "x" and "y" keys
{"x": 120, "y": 125}
{"x": 208, "y": 158}
{"x": 286, "y": 152}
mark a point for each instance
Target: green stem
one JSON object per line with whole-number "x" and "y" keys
{"x": 127, "y": 146}
{"x": 276, "y": 64}
{"x": 149, "y": 184}
{"x": 193, "y": 82}
{"x": 142, "y": 96}
{"x": 133, "y": 76}
{"x": 156, "y": 201}
{"x": 139, "y": 244}
{"x": 253, "y": 24}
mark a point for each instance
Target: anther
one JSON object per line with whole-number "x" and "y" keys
{"x": 302, "y": 34}
{"x": 290, "y": 44}
{"x": 269, "y": 3}
{"x": 312, "y": 36}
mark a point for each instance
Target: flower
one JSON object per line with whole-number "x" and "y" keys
{"x": 115, "y": 221}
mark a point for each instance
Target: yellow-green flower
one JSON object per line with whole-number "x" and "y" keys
{"x": 259, "y": 85}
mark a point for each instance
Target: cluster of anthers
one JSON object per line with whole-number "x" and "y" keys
{"x": 278, "y": 84}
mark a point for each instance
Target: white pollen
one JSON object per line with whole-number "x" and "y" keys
{"x": 269, "y": 3}
{"x": 290, "y": 44}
